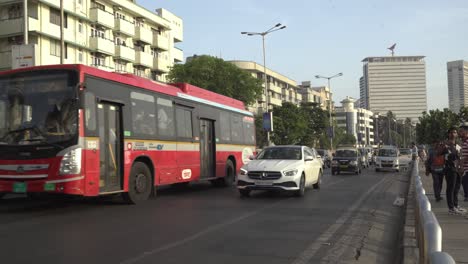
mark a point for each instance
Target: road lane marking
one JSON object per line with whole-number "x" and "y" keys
{"x": 310, "y": 251}
{"x": 195, "y": 236}
{"x": 208, "y": 230}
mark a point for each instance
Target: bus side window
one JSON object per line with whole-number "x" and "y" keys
{"x": 90, "y": 111}
{"x": 3, "y": 116}
{"x": 143, "y": 114}
{"x": 184, "y": 123}
{"x": 165, "y": 117}
{"x": 225, "y": 123}
{"x": 236, "y": 128}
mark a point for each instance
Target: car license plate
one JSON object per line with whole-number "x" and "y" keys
{"x": 19, "y": 187}
{"x": 264, "y": 183}
{"x": 344, "y": 166}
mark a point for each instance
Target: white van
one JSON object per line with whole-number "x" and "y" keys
{"x": 387, "y": 159}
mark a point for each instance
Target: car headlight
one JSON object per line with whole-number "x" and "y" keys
{"x": 353, "y": 162}
{"x": 71, "y": 162}
{"x": 243, "y": 171}
{"x": 290, "y": 172}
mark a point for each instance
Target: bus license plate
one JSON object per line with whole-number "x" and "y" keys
{"x": 19, "y": 187}
{"x": 264, "y": 183}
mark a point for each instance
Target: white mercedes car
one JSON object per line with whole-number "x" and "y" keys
{"x": 291, "y": 168}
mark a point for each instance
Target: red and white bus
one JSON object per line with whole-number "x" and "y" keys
{"x": 77, "y": 130}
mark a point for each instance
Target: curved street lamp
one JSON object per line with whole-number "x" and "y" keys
{"x": 330, "y": 102}
{"x": 263, "y": 34}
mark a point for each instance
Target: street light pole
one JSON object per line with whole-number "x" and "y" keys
{"x": 263, "y": 34}
{"x": 330, "y": 103}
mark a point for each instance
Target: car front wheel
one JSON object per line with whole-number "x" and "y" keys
{"x": 301, "y": 191}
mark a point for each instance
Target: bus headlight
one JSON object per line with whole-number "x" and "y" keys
{"x": 71, "y": 162}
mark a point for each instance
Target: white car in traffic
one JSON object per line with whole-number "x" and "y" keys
{"x": 291, "y": 168}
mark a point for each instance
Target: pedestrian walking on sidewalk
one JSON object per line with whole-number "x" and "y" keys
{"x": 453, "y": 170}
{"x": 435, "y": 165}
{"x": 464, "y": 179}
{"x": 414, "y": 151}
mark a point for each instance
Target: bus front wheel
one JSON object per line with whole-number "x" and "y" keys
{"x": 140, "y": 184}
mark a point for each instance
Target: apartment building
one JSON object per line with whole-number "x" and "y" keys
{"x": 320, "y": 95}
{"x": 280, "y": 88}
{"x": 457, "y": 76}
{"x": 358, "y": 122}
{"x": 113, "y": 35}
{"x": 395, "y": 83}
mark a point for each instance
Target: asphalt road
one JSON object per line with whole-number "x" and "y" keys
{"x": 351, "y": 219}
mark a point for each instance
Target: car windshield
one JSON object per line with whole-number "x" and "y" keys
{"x": 405, "y": 151}
{"x": 347, "y": 153}
{"x": 37, "y": 108}
{"x": 387, "y": 152}
{"x": 280, "y": 153}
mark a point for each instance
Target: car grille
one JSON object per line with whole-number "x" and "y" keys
{"x": 264, "y": 175}
{"x": 387, "y": 163}
{"x": 344, "y": 162}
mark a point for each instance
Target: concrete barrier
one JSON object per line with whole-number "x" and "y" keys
{"x": 427, "y": 229}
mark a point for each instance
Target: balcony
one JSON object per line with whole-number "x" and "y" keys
{"x": 124, "y": 27}
{"x": 275, "y": 88}
{"x": 144, "y": 35}
{"x": 5, "y": 60}
{"x": 274, "y": 101}
{"x": 102, "y": 45}
{"x": 125, "y": 53}
{"x": 15, "y": 26}
{"x": 160, "y": 42}
{"x": 143, "y": 59}
{"x": 160, "y": 65}
{"x": 101, "y": 17}
{"x": 177, "y": 54}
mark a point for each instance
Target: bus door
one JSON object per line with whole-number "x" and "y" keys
{"x": 207, "y": 149}
{"x": 110, "y": 145}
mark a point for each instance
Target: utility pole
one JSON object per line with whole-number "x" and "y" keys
{"x": 26, "y": 20}
{"x": 62, "y": 41}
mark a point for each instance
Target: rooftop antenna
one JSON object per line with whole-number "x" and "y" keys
{"x": 392, "y": 49}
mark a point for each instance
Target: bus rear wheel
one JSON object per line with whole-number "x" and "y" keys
{"x": 230, "y": 177}
{"x": 140, "y": 185}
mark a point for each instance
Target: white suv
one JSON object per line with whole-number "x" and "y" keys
{"x": 387, "y": 159}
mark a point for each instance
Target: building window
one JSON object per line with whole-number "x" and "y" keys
{"x": 55, "y": 47}
{"x": 98, "y": 6}
{"x": 80, "y": 28}
{"x": 95, "y": 32}
{"x": 97, "y": 60}
{"x": 55, "y": 17}
{"x": 80, "y": 56}
{"x": 120, "y": 66}
{"x": 15, "y": 11}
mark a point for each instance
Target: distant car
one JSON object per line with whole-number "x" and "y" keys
{"x": 346, "y": 160}
{"x": 290, "y": 168}
{"x": 404, "y": 158}
{"x": 387, "y": 159}
{"x": 326, "y": 157}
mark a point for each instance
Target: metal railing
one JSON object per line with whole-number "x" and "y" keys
{"x": 427, "y": 227}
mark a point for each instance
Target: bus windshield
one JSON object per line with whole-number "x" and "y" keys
{"x": 38, "y": 108}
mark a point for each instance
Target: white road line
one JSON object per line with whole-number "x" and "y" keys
{"x": 197, "y": 235}
{"x": 206, "y": 231}
{"x": 310, "y": 251}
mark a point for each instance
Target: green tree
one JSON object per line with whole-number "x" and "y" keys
{"x": 289, "y": 124}
{"x": 434, "y": 124}
{"x": 218, "y": 76}
{"x": 317, "y": 120}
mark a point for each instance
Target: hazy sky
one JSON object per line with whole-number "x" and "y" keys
{"x": 328, "y": 36}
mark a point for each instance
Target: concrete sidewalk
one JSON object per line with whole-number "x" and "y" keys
{"x": 454, "y": 227}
